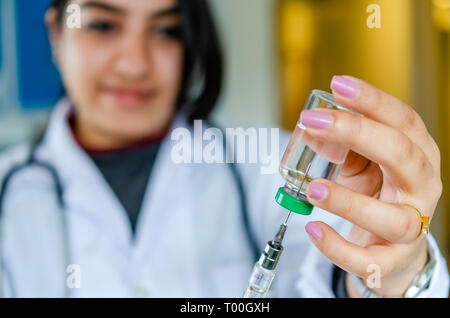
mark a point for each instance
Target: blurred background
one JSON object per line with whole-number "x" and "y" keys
{"x": 276, "y": 52}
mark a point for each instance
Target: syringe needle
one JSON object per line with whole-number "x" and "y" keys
{"x": 287, "y": 219}
{"x": 280, "y": 235}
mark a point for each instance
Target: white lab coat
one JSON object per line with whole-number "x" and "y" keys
{"x": 190, "y": 240}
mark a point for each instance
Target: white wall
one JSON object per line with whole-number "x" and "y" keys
{"x": 247, "y": 29}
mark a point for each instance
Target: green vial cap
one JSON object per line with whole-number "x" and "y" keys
{"x": 293, "y": 204}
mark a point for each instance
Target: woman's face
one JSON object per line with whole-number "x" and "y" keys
{"x": 122, "y": 68}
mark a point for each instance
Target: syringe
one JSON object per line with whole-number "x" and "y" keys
{"x": 264, "y": 270}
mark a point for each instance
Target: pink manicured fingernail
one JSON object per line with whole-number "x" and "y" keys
{"x": 345, "y": 86}
{"x": 315, "y": 119}
{"x": 314, "y": 230}
{"x": 317, "y": 191}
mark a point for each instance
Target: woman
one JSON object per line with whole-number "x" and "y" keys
{"x": 138, "y": 224}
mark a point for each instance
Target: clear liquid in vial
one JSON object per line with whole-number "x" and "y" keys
{"x": 323, "y": 159}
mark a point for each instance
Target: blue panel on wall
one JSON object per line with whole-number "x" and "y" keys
{"x": 38, "y": 80}
{"x": 1, "y": 40}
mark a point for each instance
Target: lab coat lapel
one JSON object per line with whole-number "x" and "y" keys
{"x": 86, "y": 192}
{"x": 168, "y": 202}
{"x": 167, "y": 181}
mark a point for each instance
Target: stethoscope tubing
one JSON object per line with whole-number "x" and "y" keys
{"x": 33, "y": 161}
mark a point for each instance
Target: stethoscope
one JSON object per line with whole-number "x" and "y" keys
{"x": 32, "y": 161}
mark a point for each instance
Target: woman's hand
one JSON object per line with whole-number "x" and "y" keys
{"x": 393, "y": 160}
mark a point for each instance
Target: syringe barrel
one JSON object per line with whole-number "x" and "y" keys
{"x": 259, "y": 283}
{"x": 264, "y": 271}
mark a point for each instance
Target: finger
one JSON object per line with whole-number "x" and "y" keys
{"x": 348, "y": 256}
{"x": 388, "y": 147}
{"x": 393, "y": 222}
{"x": 354, "y": 164}
{"x": 382, "y": 107}
{"x": 360, "y": 174}
{"x": 376, "y": 104}
{"x": 368, "y": 182}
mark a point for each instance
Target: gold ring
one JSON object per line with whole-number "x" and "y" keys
{"x": 424, "y": 220}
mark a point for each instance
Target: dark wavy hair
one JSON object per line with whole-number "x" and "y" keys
{"x": 203, "y": 59}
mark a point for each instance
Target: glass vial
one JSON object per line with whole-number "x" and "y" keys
{"x": 306, "y": 159}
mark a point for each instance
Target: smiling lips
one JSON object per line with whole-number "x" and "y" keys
{"x": 129, "y": 97}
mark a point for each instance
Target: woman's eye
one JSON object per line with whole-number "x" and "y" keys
{"x": 101, "y": 26}
{"x": 171, "y": 32}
